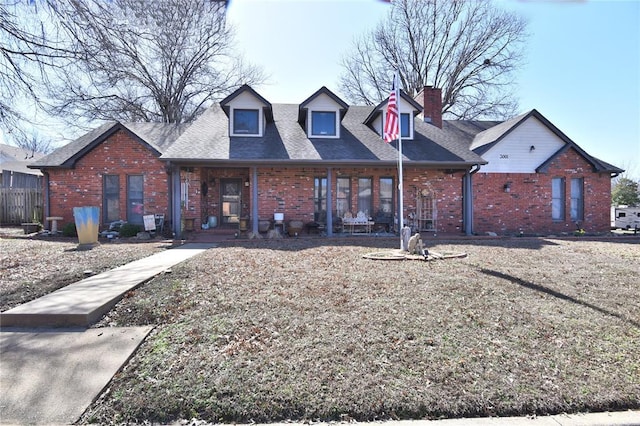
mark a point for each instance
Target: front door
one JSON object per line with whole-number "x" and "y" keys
{"x": 231, "y": 193}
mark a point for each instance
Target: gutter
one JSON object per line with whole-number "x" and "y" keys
{"x": 190, "y": 162}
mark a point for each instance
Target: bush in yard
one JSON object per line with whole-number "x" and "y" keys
{"x": 129, "y": 230}
{"x": 69, "y": 230}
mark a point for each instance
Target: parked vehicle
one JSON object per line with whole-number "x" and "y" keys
{"x": 627, "y": 217}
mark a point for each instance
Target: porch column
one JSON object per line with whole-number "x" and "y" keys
{"x": 254, "y": 200}
{"x": 467, "y": 200}
{"x": 46, "y": 209}
{"x": 176, "y": 197}
{"x": 329, "y": 202}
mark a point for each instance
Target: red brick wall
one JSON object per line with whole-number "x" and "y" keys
{"x": 433, "y": 105}
{"x": 447, "y": 189}
{"x": 119, "y": 155}
{"x": 202, "y": 206}
{"x": 290, "y": 190}
{"x": 527, "y": 207}
{"x": 287, "y": 190}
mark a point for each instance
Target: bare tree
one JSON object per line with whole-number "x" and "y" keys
{"x": 35, "y": 142}
{"x": 140, "y": 60}
{"x": 26, "y": 51}
{"x": 469, "y": 49}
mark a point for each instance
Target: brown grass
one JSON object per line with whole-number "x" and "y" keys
{"x": 309, "y": 330}
{"x": 32, "y": 266}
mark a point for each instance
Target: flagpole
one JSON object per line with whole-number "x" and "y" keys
{"x": 400, "y": 177}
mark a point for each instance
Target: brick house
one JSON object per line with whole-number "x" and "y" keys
{"x": 245, "y": 160}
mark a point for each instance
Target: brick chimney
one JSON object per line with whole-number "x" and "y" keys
{"x": 432, "y": 104}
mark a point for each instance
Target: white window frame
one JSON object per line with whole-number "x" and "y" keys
{"x": 558, "y": 196}
{"x": 577, "y": 199}
{"x": 410, "y": 114}
{"x": 260, "y": 122}
{"x": 411, "y": 120}
{"x": 310, "y": 123}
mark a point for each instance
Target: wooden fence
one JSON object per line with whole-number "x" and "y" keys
{"x": 20, "y": 205}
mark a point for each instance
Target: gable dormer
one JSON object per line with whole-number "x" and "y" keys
{"x": 248, "y": 112}
{"x": 321, "y": 114}
{"x": 409, "y": 109}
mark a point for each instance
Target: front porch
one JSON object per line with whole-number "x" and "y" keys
{"x": 295, "y": 201}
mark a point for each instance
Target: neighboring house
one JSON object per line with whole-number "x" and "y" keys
{"x": 246, "y": 158}
{"x": 14, "y": 172}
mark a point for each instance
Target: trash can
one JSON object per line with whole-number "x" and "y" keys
{"x": 87, "y": 222}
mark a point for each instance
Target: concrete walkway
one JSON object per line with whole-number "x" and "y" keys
{"x": 83, "y": 303}
{"x": 50, "y": 376}
{"x": 617, "y": 418}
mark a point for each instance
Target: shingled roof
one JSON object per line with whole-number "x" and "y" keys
{"x": 285, "y": 141}
{"x": 156, "y": 136}
{"x": 458, "y": 145}
{"x": 16, "y": 159}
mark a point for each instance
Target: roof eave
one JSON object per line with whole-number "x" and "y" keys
{"x": 71, "y": 161}
{"x": 267, "y": 109}
{"x": 324, "y": 163}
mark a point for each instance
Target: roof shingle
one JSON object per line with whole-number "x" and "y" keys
{"x": 459, "y": 144}
{"x": 286, "y": 141}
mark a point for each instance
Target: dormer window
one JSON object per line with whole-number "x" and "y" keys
{"x": 246, "y": 122}
{"x": 406, "y": 126}
{"x": 248, "y": 112}
{"x": 409, "y": 108}
{"x": 323, "y": 123}
{"x": 320, "y": 114}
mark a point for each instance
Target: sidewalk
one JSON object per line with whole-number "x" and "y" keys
{"x": 618, "y": 418}
{"x": 51, "y": 375}
{"x": 83, "y": 303}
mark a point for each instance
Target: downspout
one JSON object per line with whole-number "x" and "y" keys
{"x": 468, "y": 199}
{"x": 254, "y": 200}
{"x": 176, "y": 216}
{"x": 329, "y": 203}
{"x": 47, "y": 202}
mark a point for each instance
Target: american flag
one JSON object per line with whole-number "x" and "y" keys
{"x": 391, "y": 128}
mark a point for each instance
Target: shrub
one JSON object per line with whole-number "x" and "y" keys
{"x": 129, "y": 230}
{"x": 69, "y": 230}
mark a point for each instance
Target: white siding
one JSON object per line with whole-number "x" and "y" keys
{"x": 377, "y": 123}
{"x": 405, "y": 108}
{"x": 246, "y": 100}
{"x": 323, "y": 102}
{"x": 513, "y": 154}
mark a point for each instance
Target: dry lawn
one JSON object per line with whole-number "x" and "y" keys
{"x": 310, "y": 330}
{"x": 31, "y": 267}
